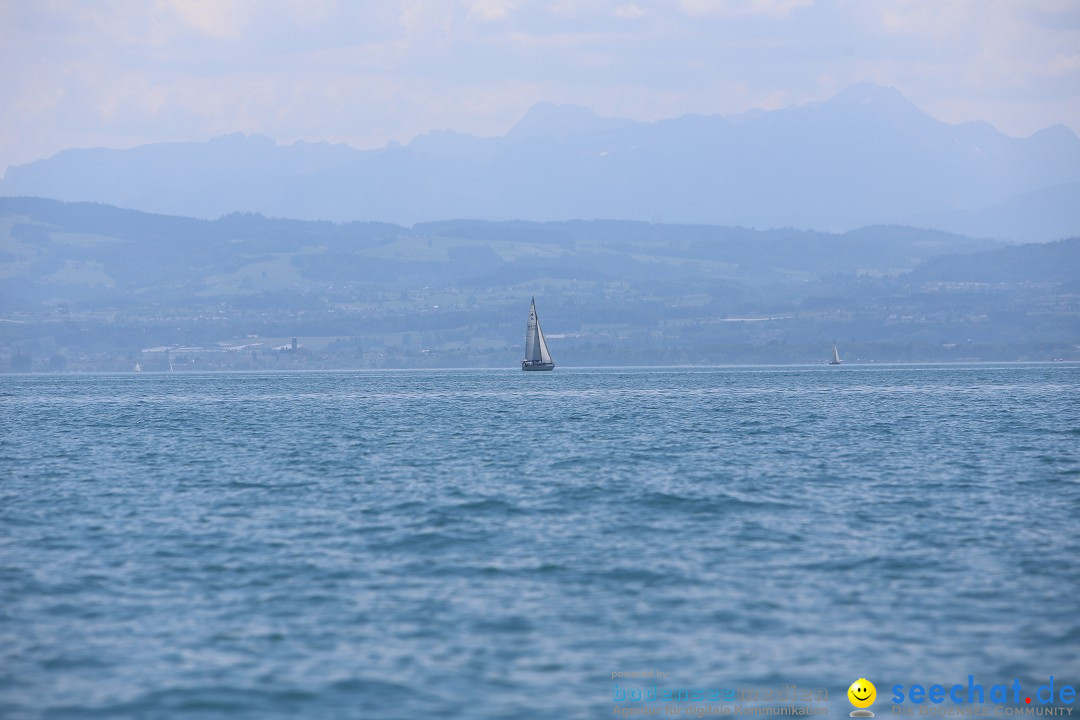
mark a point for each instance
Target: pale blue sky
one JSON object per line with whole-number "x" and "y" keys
{"x": 119, "y": 74}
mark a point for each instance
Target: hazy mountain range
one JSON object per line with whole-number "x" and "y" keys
{"x": 866, "y": 156}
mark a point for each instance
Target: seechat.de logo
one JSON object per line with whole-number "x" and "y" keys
{"x": 974, "y": 693}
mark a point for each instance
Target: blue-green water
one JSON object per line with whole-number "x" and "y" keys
{"x": 495, "y": 544}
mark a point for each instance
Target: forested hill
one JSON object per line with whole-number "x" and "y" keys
{"x": 82, "y": 278}
{"x": 73, "y": 250}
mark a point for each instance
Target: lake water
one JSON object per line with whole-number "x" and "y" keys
{"x": 499, "y": 544}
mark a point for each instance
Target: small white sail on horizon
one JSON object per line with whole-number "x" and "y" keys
{"x": 537, "y": 356}
{"x": 835, "y": 356}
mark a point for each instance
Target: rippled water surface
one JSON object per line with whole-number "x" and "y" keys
{"x": 495, "y": 544}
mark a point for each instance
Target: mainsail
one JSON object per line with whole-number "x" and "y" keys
{"x": 835, "y": 356}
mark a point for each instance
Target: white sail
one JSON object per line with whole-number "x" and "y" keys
{"x": 545, "y": 356}
{"x": 835, "y": 356}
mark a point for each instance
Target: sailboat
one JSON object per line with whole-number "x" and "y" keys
{"x": 835, "y": 356}
{"x": 537, "y": 356}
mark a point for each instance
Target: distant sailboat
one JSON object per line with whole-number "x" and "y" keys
{"x": 537, "y": 356}
{"x": 138, "y": 367}
{"x": 835, "y": 356}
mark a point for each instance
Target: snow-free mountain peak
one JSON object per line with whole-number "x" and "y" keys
{"x": 547, "y": 119}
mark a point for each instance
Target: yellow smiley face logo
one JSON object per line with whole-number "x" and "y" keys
{"x": 862, "y": 693}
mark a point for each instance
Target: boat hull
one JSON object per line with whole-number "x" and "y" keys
{"x": 535, "y": 366}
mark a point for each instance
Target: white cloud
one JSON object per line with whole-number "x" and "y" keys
{"x": 772, "y": 8}
{"x": 218, "y": 19}
{"x": 488, "y": 10}
{"x": 630, "y": 11}
{"x": 1063, "y": 64}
